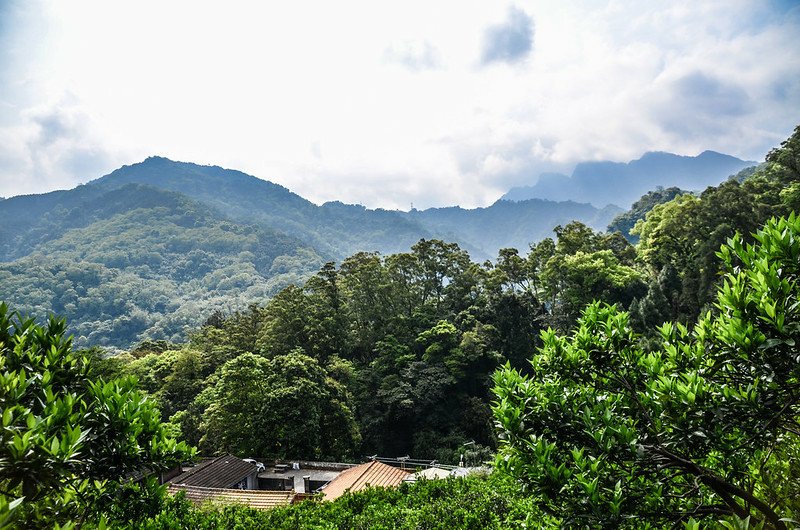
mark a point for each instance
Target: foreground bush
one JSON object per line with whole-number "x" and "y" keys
{"x": 70, "y": 444}
{"x": 705, "y": 426}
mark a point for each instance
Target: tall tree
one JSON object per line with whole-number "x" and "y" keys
{"x": 325, "y": 323}
{"x": 286, "y": 407}
{"x": 624, "y": 222}
{"x": 586, "y": 266}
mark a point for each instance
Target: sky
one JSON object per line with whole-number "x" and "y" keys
{"x": 388, "y": 104}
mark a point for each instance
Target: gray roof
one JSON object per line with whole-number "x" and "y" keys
{"x": 222, "y": 472}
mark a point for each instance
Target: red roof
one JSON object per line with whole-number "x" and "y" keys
{"x": 376, "y": 474}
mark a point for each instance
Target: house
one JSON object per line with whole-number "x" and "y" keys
{"x": 374, "y": 473}
{"x": 227, "y": 479}
{"x": 225, "y": 472}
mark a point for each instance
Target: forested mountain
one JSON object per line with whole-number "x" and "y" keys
{"x": 139, "y": 261}
{"x": 334, "y": 229}
{"x": 152, "y": 249}
{"x": 338, "y": 230}
{"x": 602, "y": 183}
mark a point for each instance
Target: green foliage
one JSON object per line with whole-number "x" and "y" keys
{"x": 421, "y": 332}
{"x": 661, "y": 303}
{"x": 584, "y": 266}
{"x": 405, "y": 340}
{"x": 685, "y": 233}
{"x": 67, "y": 440}
{"x": 698, "y": 426}
{"x": 8, "y": 511}
{"x": 785, "y": 160}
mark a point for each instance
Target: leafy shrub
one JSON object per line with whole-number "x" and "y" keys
{"x": 67, "y": 442}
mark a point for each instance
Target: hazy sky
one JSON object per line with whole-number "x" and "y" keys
{"x": 435, "y": 102}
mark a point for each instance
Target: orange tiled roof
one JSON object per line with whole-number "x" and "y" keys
{"x": 261, "y": 499}
{"x": 360, "y": 477}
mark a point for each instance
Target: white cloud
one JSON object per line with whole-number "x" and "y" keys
{"x": 53, "y": 146}
{"x": 387, "y": 104}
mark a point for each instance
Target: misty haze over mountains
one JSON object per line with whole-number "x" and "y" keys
{"x": 619, "y": 183}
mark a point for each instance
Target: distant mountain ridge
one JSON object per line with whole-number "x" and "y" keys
{"x": 620, "y": 183}
{"x": 337, "y": 229}
{"x": 334, "y": 229}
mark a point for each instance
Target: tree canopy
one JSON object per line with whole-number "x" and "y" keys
{"x": 287, "y": 406}
{"x": 706, "y": 423}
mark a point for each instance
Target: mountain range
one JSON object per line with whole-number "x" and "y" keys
{"x": 152, "y": 249}
{"x": 618, "y": 183}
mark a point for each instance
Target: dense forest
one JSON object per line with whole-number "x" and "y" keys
{"x": 556, "y": 359}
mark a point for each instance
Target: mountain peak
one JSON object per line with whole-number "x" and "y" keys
{"x": 657, "y": 155}
{"x": 156, "y": 158}
{"x": 181, "y": 176}
{"x": 722, "y": 156}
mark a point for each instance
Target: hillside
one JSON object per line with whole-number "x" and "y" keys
{"x": 337, "y": 229}
{"x": 618, "y": 183}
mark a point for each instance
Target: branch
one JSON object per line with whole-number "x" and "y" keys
{"x": 792, "y": 430}
{"x": 721, "y": 487}
{"x": 778, "y": 415}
